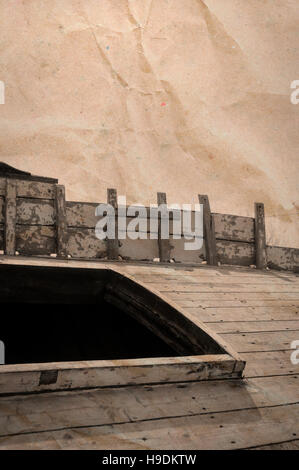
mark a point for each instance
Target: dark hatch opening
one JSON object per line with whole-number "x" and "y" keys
{"x": 61, "y": 333}
{"x": 54, "y": 314}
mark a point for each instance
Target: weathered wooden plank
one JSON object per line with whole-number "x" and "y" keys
{"x": 209, "y": 231}
{"x": 244, "y": 296}
{"x": 98, "y": 407}
{"x": 163, "y": 244}
{"x": 10, "y": 217}
{"x": 2, "y": 186}
{"x": 288, "y": 445}
{"x": 83, "y": 243}
{"x": 202, "y": 276}
{"x": 188, "y": 301}
{"x": 87, "y": 374}
{"x": 112, "y": 244}
{"x": 282, "y": 258}
{"x": 2, "y": 237}
{"x": 254, "y": 326}
{"x": 235, "y": 253}
{"x": 81, "y": 214}
{"x": 229, "y": 430}
{"x": 271, "y": 314}
{"x": 214, "y": 281}
{"x": 180, "y": 255}
{"x": 35, "y": 240}
{"x": 35, "y": 212}
{"x": 61, "y": 222}
{"x": 143, "y": 250}
{"x": 2, "y": 210}
{"x": 269, "y": 363}
{"x": 37, "y": 190}
{"x": 234, "y": 228}
{"x": 232, "y": 287}
{"x": 260, "y": 235}
{"x": 265, "y": 341}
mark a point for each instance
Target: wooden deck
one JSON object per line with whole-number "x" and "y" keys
{"x": 256, "y": 312}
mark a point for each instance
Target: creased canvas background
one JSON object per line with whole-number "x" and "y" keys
{"x": 181, "y": 96}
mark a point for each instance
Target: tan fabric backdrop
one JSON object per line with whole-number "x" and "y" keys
{"x": 181, "y": 96}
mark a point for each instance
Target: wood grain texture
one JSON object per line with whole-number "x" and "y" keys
{"x": 101, "y": 374}
{"x": 139, "y": 403}
{"x": 227, "y": 430}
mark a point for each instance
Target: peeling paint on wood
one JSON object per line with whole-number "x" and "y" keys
{"x": 61, "y": 223}
{"x": 81, "y": 214}
{"x": 33, "y": 189}
{"x": 2, "y": 210}
{"x": 112, "y": 244}
{"x": 83, "y": 243}
{"x": 260, "y": 236}
{"x": 35, "y": 212}
{"x": 209, "y": 231}
{"x": 35, "y": 240}
{"x": 1, "y": 237}
{"x": 282, "y": 258}
{"x": 10, "y": 217}
{"x": 164, "y": 245}
{"x": 236, "y": 253}
{"x": 234, "y": 228}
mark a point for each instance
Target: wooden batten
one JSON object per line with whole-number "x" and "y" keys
{"x": 112, "y": 245}
{"x": 61, "y": 222}
{"x": 164, "y": 245}
{"x": 10, "y": 215}
{"x": 209, "y": 231}
{"x": 260, "y": 236}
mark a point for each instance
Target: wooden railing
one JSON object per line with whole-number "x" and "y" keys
{"x": 35, "y": 219}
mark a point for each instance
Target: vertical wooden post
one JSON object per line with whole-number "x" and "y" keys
{"x": 10, "y": 217}
{"x": 112, "y": 245}
{"x": 164, "y": 245}
{"x": 61, "y": 222}
{"x": 209, "y": 231}
{"x": 260, "y": 236}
